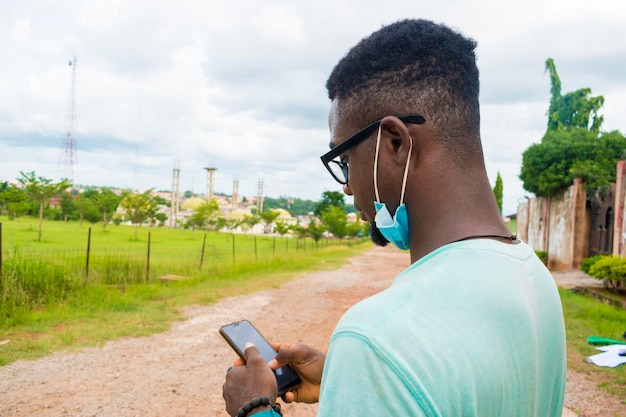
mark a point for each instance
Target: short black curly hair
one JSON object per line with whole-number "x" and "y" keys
{"x": 412, "y": 66}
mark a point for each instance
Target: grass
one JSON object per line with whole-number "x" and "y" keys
{"x": 72, "y": 311}
{"x": 105, "y": 310}
{"x": 584, "y": 317}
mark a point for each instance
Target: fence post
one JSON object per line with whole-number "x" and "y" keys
{"x": 88, "y": 252}
{"x": 233, "y": 249}
{"x": 148, "y": 260}
{"x": 202, "y": 254}
{"x": 0, "y": 253}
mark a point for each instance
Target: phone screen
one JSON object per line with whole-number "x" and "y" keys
{"x": 239, "y": 333}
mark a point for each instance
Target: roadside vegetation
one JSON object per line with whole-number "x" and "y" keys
{"x": 49, "y": 302}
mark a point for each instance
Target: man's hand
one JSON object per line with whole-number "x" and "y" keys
{"x": 253, "y": 380}
{"x": 308, "y": 364}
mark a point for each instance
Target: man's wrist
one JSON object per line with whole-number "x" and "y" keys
{"x": 258, "y": 405}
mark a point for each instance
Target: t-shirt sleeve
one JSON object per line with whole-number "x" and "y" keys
{"x": 357, "y": 376}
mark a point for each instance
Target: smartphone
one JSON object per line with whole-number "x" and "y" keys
{"x": 239, "y": 333}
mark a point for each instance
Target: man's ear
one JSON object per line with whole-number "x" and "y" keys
{"x": 395, "y": 139}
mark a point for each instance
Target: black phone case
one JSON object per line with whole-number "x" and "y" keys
{"x": 286, "y": 378}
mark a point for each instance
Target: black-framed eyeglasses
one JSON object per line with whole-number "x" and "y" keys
{"x": 339, "y": 169}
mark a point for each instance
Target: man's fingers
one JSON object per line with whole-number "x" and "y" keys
{"x": 252, "y": 354}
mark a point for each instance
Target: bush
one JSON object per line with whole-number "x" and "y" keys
{"x": 587, "y": 263}
{"x": 611, "y": 270}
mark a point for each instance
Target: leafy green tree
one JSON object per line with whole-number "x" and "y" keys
{"x": 67, "y": 206}
{"x": 86, "y": 209}
{"x": 268, "y": 217}
{"x": 315, "y": 230}
{"x": 330, "y": 199}
{"x": 497, "y": 192}
{"x": 335, "y": 220}
{"x": 15, "y": 201}
{"x": 251, "y": 221}
{"x": 575, "y": 109}
{"x": 203, "y": 214}
{"x": 139, "y": 207}
{"x": 106, "y": 201}
{"x": 41, "y": 190}
{"x": 354, "y": 229}
{"x": 283, "y": 228}
{"x": 563, "y": 155}
{"x": 573, "y": 145}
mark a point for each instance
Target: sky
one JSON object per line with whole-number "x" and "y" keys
{"x": 238, "y": 85}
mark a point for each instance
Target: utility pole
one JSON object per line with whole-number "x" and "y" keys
{"x": 235, "y": 198}
{"x": 174, "y": 204}
{"x": 259, "y": 200}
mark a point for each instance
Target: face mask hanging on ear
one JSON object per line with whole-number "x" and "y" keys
{"x": 394, "y": 229}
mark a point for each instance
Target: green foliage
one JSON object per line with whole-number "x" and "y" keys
{"x": 563, "y": 155}
{"x": 282, "y": 228}
{"x": 497, "y": 192}
{"x": 139, "y": 207}
{"x": 610, "y": 269}
{"x": 41, "y": 190}
{"x": 268, "y": 217}
{"x": 330, "y": 199}
{"x": 14, "y": 201}
{"x": 587, "y": 263}
{"x": 575, "y": 109}
{"x": 584, "y": 317}
{"x": 335, "y": 220}
{"x": 295, "y": 206}
{"x": 205, "y": 215}
{"x": 573, "y": 145}
{"x": 315, "y": 230}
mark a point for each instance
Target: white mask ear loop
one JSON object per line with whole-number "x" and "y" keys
{"x": 376, "y": 164}
{"x": 406, "y": 170}
{"x": 406, "y": 167}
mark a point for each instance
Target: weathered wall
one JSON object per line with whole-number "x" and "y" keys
{"x": 558, "y": 225}
{"x": 619, "y": 234}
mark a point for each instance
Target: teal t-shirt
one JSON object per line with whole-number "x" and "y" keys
{"x": 473, "y": 329}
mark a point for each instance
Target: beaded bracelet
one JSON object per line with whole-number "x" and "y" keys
{"x": 254, "y": 403}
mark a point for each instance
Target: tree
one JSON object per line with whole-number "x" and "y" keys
{"x": 329, "y": 199}
{"x": 268, "y": 218}
{"x": 575, "y": 109}
{"x": 139, "y": 207}
{"x": 354, "y": 229}
{"x": 562, "y": 155}
{"x": 315, "y": 230}
{"x": 282, "y": 228}
{"x": 497, "y": 192}
{"x": 573, "y": 146}
{"x": 335, "y": 220}
{"x": 15, "y": 201}
{"x": 203, "y": 214}
{"x": 106, "y": 201}
{"x": 41, "y": 190}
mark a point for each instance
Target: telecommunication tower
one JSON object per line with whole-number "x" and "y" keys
{"x": 235, "y": 198}
{"x": 259, "y": 200}
{"x": 209, "y": 182}
{"x": 175, "y": 203}
{"x": 68, "y": 154}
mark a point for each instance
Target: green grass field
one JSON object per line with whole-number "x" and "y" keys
{"x": 71, "y": 309}
{"x": 51, "y": 301}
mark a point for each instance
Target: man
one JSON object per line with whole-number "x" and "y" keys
{"x": 474, "y": 326}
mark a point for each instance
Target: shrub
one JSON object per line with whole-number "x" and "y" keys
{"x": 587, "y": 263}
{"x": 611, "y": 270}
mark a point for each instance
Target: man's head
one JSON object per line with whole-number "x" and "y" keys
{"x": 412, "y": 67}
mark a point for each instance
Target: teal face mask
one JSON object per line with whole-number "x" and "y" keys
{"x": 395, "y": 229}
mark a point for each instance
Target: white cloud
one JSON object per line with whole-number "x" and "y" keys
{"x": 240, "y": 84}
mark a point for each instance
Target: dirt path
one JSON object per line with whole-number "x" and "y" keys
{"x": 180, "y": 372}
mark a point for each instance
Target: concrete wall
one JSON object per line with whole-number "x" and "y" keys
{"x": 558, "y": 225}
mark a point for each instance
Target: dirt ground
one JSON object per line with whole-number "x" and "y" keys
{"x": 180, "y": 372}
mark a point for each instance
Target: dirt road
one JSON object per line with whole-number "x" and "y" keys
{"x": 180, "y": 372}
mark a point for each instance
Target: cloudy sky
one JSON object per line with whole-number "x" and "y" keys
{"x": 239, "y": 85}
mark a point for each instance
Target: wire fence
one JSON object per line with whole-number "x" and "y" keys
{"x": 31, "y": 275}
